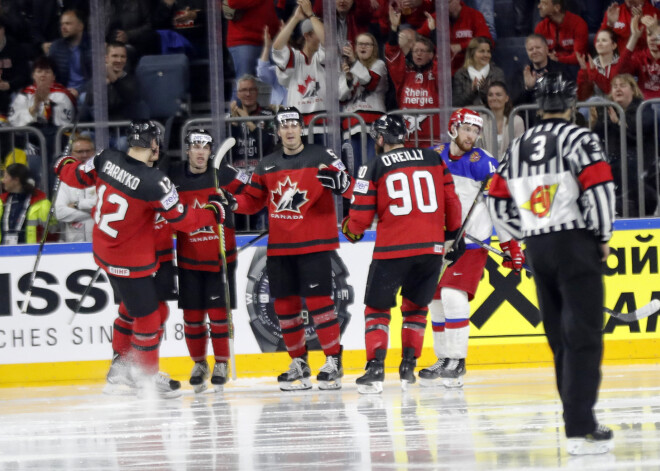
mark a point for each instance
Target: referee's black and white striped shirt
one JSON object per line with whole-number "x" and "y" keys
{"x": 554, "y": 177}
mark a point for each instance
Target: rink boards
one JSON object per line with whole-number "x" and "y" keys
{"x": 48, "y": 344}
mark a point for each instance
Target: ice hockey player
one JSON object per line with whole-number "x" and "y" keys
{"x": 450, "y": 310}
{"x": 130, "y": 195}
{"x": 404, "y": 188}
{"x": 554, "y": 189}
{"x": 296, "y": 183}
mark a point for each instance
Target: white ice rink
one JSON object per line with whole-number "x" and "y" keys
{"x": 502, "y": 419}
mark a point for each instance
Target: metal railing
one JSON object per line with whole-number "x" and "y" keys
{"x": 641, "y": 140}
{"x": 43, "y": 152}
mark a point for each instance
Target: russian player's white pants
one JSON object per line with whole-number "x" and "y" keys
{"x": 451, "y": 323}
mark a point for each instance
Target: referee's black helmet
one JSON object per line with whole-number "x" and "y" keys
{"x": 554, "y": 93}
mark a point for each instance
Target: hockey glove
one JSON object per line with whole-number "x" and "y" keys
{"x": 217, "y": 204}
{"x": 515, "y": 258}
{"x": 334, "y": 177}
{"x": 456, "y": 247}
{"x": 353, "y": 238}
{"x": 62, "y": 162}
{"x": 230, "y": 201}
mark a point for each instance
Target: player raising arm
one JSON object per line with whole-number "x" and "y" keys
{"x": 406, "y": 188}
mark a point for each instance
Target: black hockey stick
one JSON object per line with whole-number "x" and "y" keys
{"x": 253, "y": 241}
{"x": 217, "y": 160}
{"x": 641, "y": 313}
{"x": 461, "y": 230}
{"x": 492, "y": 249}
{"x": 56, "y": 190}
{"x": 84, "y": 294}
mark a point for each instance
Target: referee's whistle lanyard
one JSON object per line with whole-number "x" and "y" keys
{"x": 10, "y": 235}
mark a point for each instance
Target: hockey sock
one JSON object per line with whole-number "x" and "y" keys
{"x": 376, "y": 330}
{"x": 438, "y": 328}
{"x": 322, "y": 311}
{"x": 412, "y": 328}
{"x": 219, "y": 333}
{"x": 164, "y": 311}
{"x": 194, "y": 329}
{"x": 457, "y": 324}
{"x": 291, "y": 324}
{"x": 145, "y": 342}
{"x": 122, "y": 331}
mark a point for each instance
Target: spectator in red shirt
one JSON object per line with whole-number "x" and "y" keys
{"x": 413, "y": 12}
{"x": 644, "y": 64}
{"x": 465, "y": 23}
{"x": 618, "y": 18}
{"x": 565, "y": 32}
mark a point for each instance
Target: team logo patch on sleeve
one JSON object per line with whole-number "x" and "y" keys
{"x": 89, "y": 165}
{"x": 243, "y": 177}
{"x": 339, "y": 164}
{"x": 361, "y": 186}
{"x": 170, "y": 199}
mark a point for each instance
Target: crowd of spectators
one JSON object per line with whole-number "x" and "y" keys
{"x": 387, "y": 60}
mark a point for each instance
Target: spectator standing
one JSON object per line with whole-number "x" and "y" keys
{"x": 415, "y": 83}
{"x": 618, "y": 17}
{"x": 72, "y": 54}
{"x": 352, "y": 19}
{"x": 44, "y": 21}
{"x": 486, "y": 8}
{"x": 14, "y": 70}
{"x": 471, "y": 82}
{"x": 266, "y": 72}
{"x": 129, "y": 22}
{"x": 73, "y": 206}
{"x": 413, "y": 13}
{"x": 645, "y": 63}
{"x": 23, "y": 208}
{"x": 362, "y": 87}
{"x": 465, "y": 23}
{"x": 595, "y": 74}
{"x": 186, "y": 17}
{"x": 499, "y": 102}
{"x": 565, "y": 32}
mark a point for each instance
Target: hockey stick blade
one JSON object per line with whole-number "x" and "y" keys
{"x": 641, "y": 313}
{"x": 224, "y": 148}
{"x": 492, "y": 249}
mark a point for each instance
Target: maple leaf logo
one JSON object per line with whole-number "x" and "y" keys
{"x": 201, "y": 230}
{"x": 288, "y": 197}
{"x": 414, "y": 123}
{"x": 308, "y": 88}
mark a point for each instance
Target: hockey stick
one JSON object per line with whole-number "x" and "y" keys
{"x": 641, "y": 313}
{"x": 217, "y": 160}
{"x": 461, "y": 230}
{"x": 51, "y": 211}
{"x": 253, "y": 241}
{"x": 84, "y": 294}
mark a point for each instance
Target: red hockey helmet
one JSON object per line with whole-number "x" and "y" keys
{"x": 464, "y": 116}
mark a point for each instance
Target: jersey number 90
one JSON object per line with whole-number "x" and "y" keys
{"x": 400, "y": 187}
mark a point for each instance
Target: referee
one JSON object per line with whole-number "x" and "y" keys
{"x": 554, "y": 190}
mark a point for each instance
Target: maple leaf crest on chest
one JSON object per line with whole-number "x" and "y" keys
{"x": 287, "y": 197}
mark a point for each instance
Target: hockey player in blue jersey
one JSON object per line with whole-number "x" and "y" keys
{"x": 450, "y": 309}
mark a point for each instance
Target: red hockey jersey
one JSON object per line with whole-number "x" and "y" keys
{"x": 412, "y": 192}
{"x": 130, "y": 194}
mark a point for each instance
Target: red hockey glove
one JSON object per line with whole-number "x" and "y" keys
{"x": 353, "y": 238}
{"x": 62, "y": 162}
{"x": 516, "y": 257}
{"x": 456, "y": 247}
{"x": 217, "y": 204}
{"x": 334, "y": 177}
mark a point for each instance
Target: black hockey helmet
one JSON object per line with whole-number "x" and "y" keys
{"x": 198, "y": 135}
{"x": 288, "y": 113}
{"x": 141, "y": 133}
{"x": 554, "y": 93}
{"x": 391, "y": 127}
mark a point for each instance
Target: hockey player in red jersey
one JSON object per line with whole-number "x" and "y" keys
{"x": 450, "y": 309}
{"x": 130, "y": 195}
{"x": 201, "y": 289}
{"x": 404, "y": 187}
{"x": 295, "y": 184}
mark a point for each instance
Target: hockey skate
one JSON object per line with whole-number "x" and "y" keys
{"x": 428, "y": 376}
{"x": 372, "y": 381}
{"x": 200, "y": 373}
{"x": 158, "y": 385}
{"x": 219, "y": 377}
{"x": 118, "y": 381}
{"x": 297, "y": 378}
{"x": 331, "y": 372}
{"x": 594, "y": 443}
{"x": 453, "y": 372}
{"x": 407, "y": 368}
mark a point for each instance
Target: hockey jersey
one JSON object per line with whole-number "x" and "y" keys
{"x": 301, "y": 212}
{"x": 469, "y": 171}
{"x": 199, "y": 249}
{"x": 57, "y": 112}
{"x": 130, "y": 194}
{"x": 554, "y": 177}
{"x": 412, "y": 193}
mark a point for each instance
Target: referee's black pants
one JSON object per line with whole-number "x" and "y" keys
{"x": 569, "y": 285}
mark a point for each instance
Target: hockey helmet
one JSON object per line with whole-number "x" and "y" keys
{"x": 141, "y": 133}
{"x": 198, "y": 136}
{"x": 391, "y": 127}
{"x": 464, "y": 116}
{"x": 555, "y": 94}
{"x": 286, "y": 114}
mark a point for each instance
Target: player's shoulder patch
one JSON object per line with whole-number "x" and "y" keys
{"x": 475, "y": 156}
{"x": 361, "y": 186}
{"x": 439, "y": 148}
{"x": 88, "y": 166}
